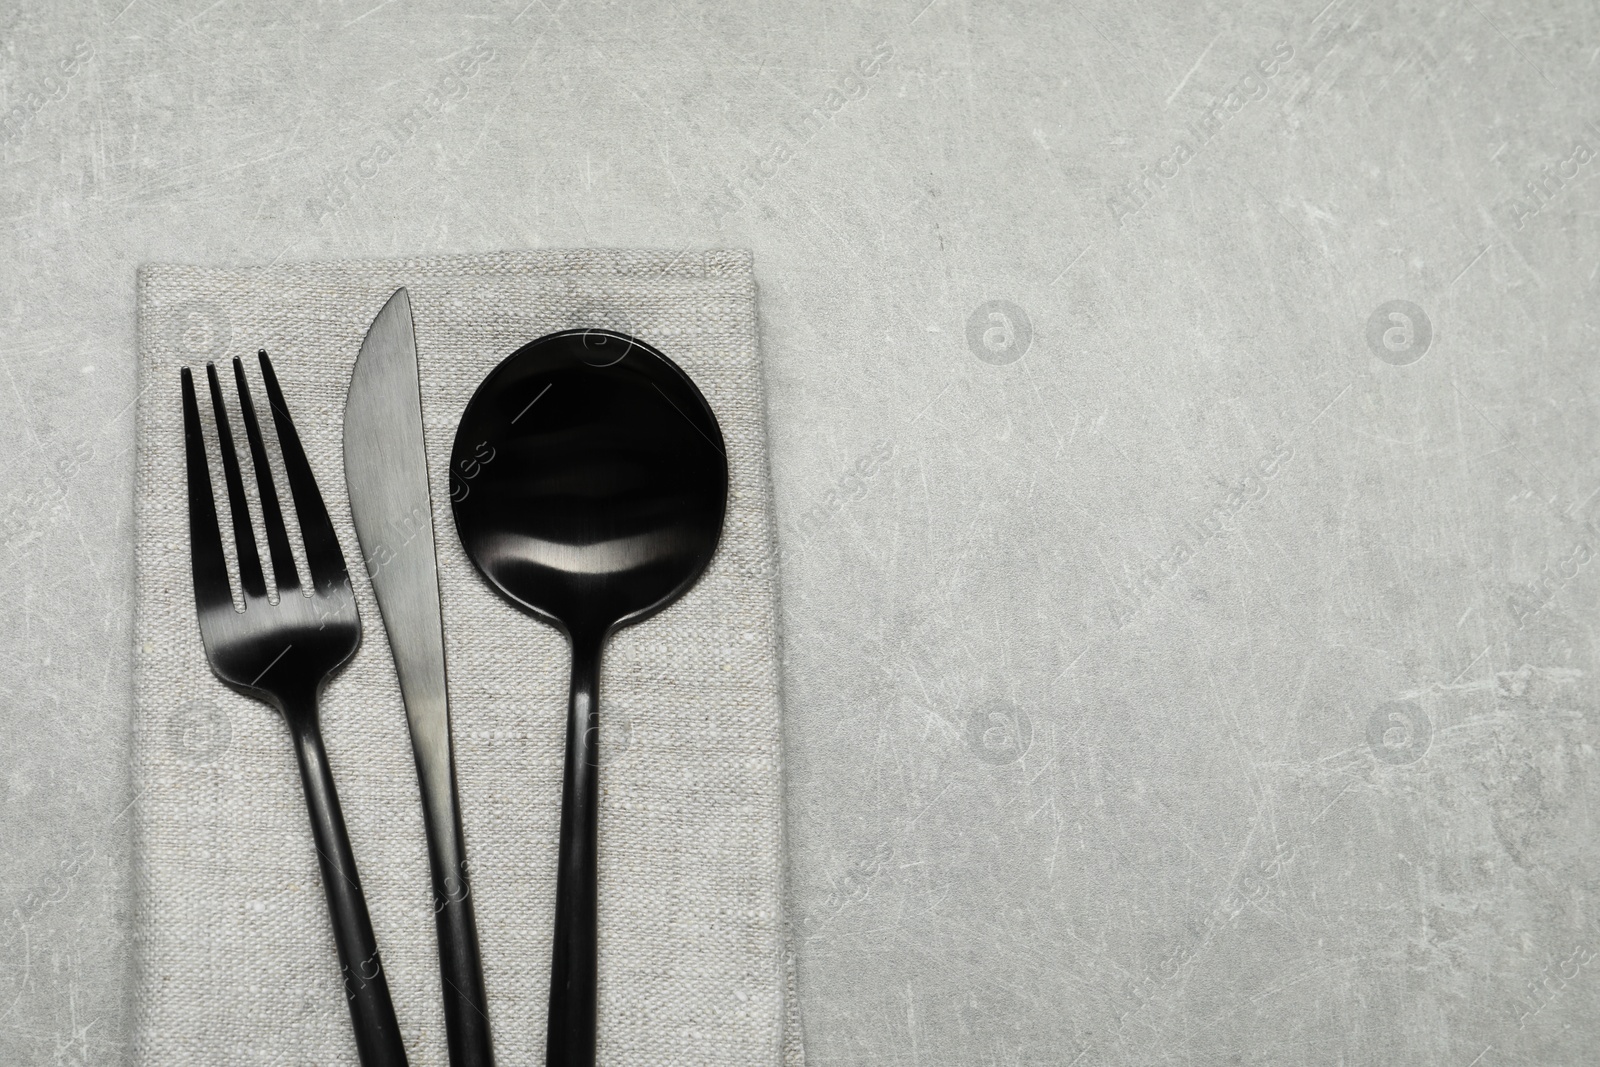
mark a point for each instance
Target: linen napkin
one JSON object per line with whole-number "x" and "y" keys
{"x": 235, "y": 955}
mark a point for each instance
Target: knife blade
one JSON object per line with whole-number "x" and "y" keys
{"x": 386, "y": 472}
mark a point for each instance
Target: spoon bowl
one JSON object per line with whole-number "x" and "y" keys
{"x": 589, "y": 483}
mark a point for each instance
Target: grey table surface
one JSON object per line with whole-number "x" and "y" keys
{"x": 1184, "y": 434}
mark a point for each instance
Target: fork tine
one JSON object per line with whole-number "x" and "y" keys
{"x": 324, "y": 557}
{"x": 271, "y": 515}
{"x": 211, "y": 589}
{"x": 244, "y": 537}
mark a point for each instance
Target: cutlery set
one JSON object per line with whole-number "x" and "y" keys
{"x": 588, "y": 482}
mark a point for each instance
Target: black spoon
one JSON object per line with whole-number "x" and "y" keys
{"x": 589, "y": 483}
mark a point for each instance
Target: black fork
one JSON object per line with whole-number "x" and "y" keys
{"x": 284, "y": 652}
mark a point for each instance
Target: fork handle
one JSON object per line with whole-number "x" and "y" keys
{"x": 377, "y": 1031}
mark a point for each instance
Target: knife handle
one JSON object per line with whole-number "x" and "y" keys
{"x": 574, "y": 963}
{"x": 466, "y": 1006}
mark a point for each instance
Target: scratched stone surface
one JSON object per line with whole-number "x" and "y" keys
{"x": 1183, "y": 429}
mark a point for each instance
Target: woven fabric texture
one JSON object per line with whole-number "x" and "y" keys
{"x": 236, "y": 962}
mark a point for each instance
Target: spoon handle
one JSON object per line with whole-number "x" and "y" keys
{"x": 570, "y": 1030}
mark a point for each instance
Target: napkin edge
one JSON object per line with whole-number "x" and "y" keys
{"x": 710, "y": 262}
